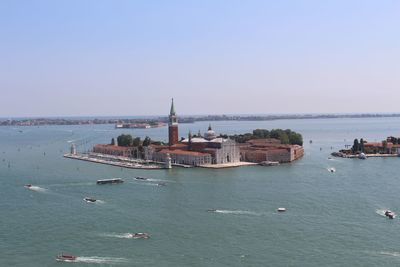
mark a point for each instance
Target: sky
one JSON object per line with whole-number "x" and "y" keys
{"x": 129, "y": 58}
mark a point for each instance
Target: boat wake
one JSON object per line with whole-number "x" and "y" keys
{"x": 237, "y": 212}
{"x": 381, "y": 212}
{"x": 70, "y": 141}
{"x": 37, "y": 189}
{"x": 390, "y": 253}
{"x": 101, "y": 260}
{"x": 122, "y": 235}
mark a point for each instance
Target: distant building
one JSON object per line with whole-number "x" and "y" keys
{"x": 207, "y": 150}
{"x": 173, "y": 126}
{"x": 259, "y": 150}
{"x": 114, "y": 150}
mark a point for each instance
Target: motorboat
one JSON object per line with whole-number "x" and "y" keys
{"x": 211, "y": 210}
{"x": 139, "y": 236}
{"x": 110, "y": 181}
{"x": 362, "y": 156}
{"x": 66, "y": 257}
{"x": 141, "y": 178}
{"x": 332, "y": 169}
{"x": 281, "y": 209}
{"x": 390, "y": 214}
{"x": 90, "y": 199}
{"x": 28, "y": 186}
{"x": 269, "y": 163}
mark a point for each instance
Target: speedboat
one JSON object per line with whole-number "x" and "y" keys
{"x": 141, "y": 178}
{"x": 139, "y": 236}
{"x": 65, "y": 257}
{"x": 110, "y": 181}
{"x": 90, "y": 199}
{"x": 28, "y": 186}
{"x": 281, "y": 209}
{"x": 211, "y": 210}
{"x": 390, "y": 214}
{"x": 332, "y": 169}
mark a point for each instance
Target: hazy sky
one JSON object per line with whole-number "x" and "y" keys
{"x": 130, "y": 57}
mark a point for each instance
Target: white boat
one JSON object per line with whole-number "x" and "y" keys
{"x": 281, "y": 209}
{"x": 269, "y": 163}
{"x": 66, "y": 258}
{"x": 390, "y": 214}
{"x": 332, "y": 169}
{"x": 362, "y": 156}
{"x": 139, "y": 236}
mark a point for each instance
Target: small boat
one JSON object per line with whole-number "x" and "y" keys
{"x": 141, "y": 178}
{"x": 281, "y": 209}
{"x": 269, "y": 163}
{"x": 362, "y": 156}
{"x": 110, "y": 181}
{"x": 332, "y": 169}
{"x": 211, "y": 210}
{"x": 66, "y": 257}
{"x": 28, "y": 186}
{"x": 390, "y": 214}
{"x": 139, "y": 236}
{"x": 90, "y": 199}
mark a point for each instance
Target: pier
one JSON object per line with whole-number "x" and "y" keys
{"x": 123, "y": 162}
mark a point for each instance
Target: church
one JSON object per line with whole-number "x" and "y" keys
{"x": 194, "y": 151}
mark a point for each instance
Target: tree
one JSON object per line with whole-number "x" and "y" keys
{"x": 146, "y": 141}
{"x": 124, "y": 140}
{"x": 356, "y": 146}
{"x": 362, "y": 145}
{"x": 136, "y": 141}
{"x": 295, "y": 139}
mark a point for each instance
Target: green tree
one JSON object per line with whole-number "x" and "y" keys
{"x": 124, "y": 140}
{"x": 356, "y": 146}
{"x": 295, "y": 139}
{"x": 361, "y": 148}
{"x": 136, "y": 141}
{"x": 146, "y": 141}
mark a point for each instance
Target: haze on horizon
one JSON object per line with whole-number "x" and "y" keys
{"x": 83, "y": 58}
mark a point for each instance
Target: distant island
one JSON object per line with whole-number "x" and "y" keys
{"x": 207, "y": 150}
{"x": 363, "y": 149}
{"x": 162, "y": 120}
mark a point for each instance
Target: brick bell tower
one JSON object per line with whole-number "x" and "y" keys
{"x": 172, "y": 126}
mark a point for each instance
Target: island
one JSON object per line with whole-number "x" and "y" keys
{"x": 208, "y": 150}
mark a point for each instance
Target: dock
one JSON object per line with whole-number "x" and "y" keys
{"x": 116, "y": 161}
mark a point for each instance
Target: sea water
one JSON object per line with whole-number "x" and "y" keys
{"x": 332, "y": 219}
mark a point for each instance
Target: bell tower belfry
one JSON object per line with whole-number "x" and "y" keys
{"x": 172, "y": 126}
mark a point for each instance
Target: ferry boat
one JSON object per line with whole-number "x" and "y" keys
{"x": 139, "y": 236}
{"x": 66, "y": 257}
{"x": 110, "y": 181}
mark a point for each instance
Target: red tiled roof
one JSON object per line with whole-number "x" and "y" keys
{"x": 183, "y": 152}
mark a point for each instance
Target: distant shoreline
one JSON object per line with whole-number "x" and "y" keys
{"x": 183, "y": 119}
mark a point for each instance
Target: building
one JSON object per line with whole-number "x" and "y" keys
{"x": 172, "y": 126}
{"x": 269, "y": 149}
{"x": 114, "y": 150}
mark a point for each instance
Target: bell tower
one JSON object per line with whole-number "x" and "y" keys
{"x": 172, "y": 126}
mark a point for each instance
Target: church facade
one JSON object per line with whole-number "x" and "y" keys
{"x": 194, "y": 151}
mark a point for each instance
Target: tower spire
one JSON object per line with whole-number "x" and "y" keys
{"x": 172, "y": 111}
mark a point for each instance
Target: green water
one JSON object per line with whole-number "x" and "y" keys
{"x": 332, "y": 219}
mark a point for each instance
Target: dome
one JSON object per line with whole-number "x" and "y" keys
{"x": 210, "y": 134}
